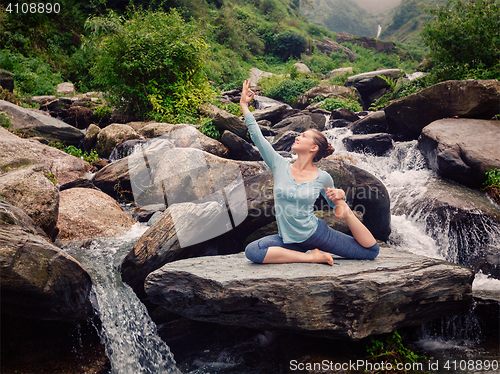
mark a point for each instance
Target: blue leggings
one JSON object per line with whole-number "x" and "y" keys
{"x": 324, "y": 238}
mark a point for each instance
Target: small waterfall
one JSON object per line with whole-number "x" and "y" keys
{"x": 128, "y": 333}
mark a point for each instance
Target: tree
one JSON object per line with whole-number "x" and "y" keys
{"x": 151, "y": 63}
{"x": 465, "y": 33}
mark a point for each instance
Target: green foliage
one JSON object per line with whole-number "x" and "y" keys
{"x": 463, "y": 38}
{"x": 33, "y": 76}
{"x": 151, "y": 63}
{"x": 391, "y": 350}
{"x": 492, "y": 184}
{"x": 77, "y": 152}
{"x": 287, "y": 90}
{"x": 288, "y": 44}
{"x": 209, "y": 129}
{"x": 5, "y": 120}
{"x": 102, "y": 113}
{"x": 332, "y": 103}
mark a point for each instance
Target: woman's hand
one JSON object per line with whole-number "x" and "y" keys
{"x": 335, "y": 194}
{"x": 246, "y": 96}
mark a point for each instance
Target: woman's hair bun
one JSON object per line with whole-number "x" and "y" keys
{"x": 329, "y": 150}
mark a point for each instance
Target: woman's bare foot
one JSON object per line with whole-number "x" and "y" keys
{"x": 342, "y": 210}
{"x": 321, "y": 257}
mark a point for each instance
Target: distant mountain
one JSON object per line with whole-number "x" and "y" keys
{"x": 404, "y": 22}
{"x": 356, "y": 17}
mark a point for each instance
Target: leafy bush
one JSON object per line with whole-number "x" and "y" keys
{"x": 492, "y": 184}
{"x": 77, "y": 152}
{"x": 288, "y": 90}
{"x": 5, "y": 120}
{"x": 209, "y": 129}
{"x": 332, "y": 103}
{"x": 33, "y": 76}
{"x": 464, "y": 35}
{"x": 151, "y": 63}
{"x": 288, "y": 44}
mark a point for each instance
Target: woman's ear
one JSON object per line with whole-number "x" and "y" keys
{"x": 313, "y": 148}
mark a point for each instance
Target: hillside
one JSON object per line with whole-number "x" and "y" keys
{"x": 404, "y": 22}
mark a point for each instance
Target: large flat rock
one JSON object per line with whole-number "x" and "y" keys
{"x": 351, "y": 299}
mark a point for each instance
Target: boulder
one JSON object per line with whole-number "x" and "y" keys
{"x": 343, "y": 113}
{"x": 479, "y": 99}
{"x": 111, "y": 136}
{"x": 226, "y": 121}
{"x": 327, "y": 46}
{"x": 351, "y": 300}
{"x": 39, "y": 281}
{"x": 30, "y": 190}
{"x": 66, "y": 89}
{"x": 285, "y": 140}
{"x": 127, "y": 148}
{"x": 37, "y": 123}
{"x": 90, "y": 139}
{"x": 370, "y": 82}
{"x": 239, "y": 148}
{"x": 339, "y": 71}
{"x": 302, "y": 68}
{"x": 324, "y": 90}
{"x": 462, "y": 150}
{"x": 86, "y": 213}
{"x": 376, "y": 144}
{"x": 114, "y": 179}
{"x": 44, "y": 99}
{"x": 185, "y": 136}
{"x": 180, "y": 232}
{"x": 371, "y": 124}
{"x": 319, "y": 117}
{"x": 79, "y": 117}
{"x": 299, "y": 123}
{"x": 273, "y": 114}
{"x": 16, "y": 152}
{"x": 256, "y": 75}
{"x": 263, "y": 102}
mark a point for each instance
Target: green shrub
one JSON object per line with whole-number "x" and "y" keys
{"x": 77, "y": 152}
{"x": 332, "y": 103}
{"x": 288, "y": 90}
{"x": 33, "y": 76}
{"x": 209, "y": 129}
{"x": 5, "y": 120}
{"x": 463, "y": 37}
{"x": 492, "y": 184}
{"x": 151, "y": 63}
{"x": 288, "y": 44}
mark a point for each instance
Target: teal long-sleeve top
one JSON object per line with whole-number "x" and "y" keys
{"x": 293, "y": 203}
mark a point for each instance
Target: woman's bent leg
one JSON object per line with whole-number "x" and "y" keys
{"x": 329, "y": 240}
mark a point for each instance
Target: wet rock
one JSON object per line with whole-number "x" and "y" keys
{"x": 345, "y": 114}
{"x": 87, "y": 213}
{"x": 263, "y": 102}
{"x": 239, "y": 148}
{"x": 299, "y": 123}
{"x": 351, "y": 300}
{"x": 30, "y": 190}
{"x": 371, "y": 124}
{"x": 479, "y": 99}
{"x": 376, "y": 144}
{"x": 16, "y": 152}
{"x": 325, "y": 90}
{"x": 273, "y": 114}
{"x": 284, "y": 140}
{"x": 113, "y": 135}
{"x": 36, "y": 123}
{"x": 462, "y": 150}
{"x": 371, "y": 85}
{"x": 39, "y": 281}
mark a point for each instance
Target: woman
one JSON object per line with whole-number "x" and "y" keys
{"x": 296, "y": 188}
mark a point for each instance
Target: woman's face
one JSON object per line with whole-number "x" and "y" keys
{"x": 304, "y": 143}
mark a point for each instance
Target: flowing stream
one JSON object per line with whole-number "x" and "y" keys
{"x": 130, "y": 336}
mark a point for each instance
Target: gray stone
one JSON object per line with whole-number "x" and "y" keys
{"x": 406, "y": 117}
{"x": 372, "y": 123}
{"x": 30, "y": 190}
{"x": 39, "y": 281}
{"x": 370, "y": 82}
{"x": 66, "y": 88}
{"x": 376, "y": 144}
{"x": 284, "y": 141}
{"x": 225, "y": 121}
{"x": 16, "y": 152}
{"x": 37, "y": 123}
{"x": 299, "y": 123}
{"x": 270, "y": 113}
{"x": 351, "y": 300}
{"x": 112, "y": 136}
{"x": 263, "y": 102}
{"x": 462, "y": 150}
{"x": 239, "y": 149}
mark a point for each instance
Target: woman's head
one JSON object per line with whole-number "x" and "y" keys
{"x": 324, "y": 148}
